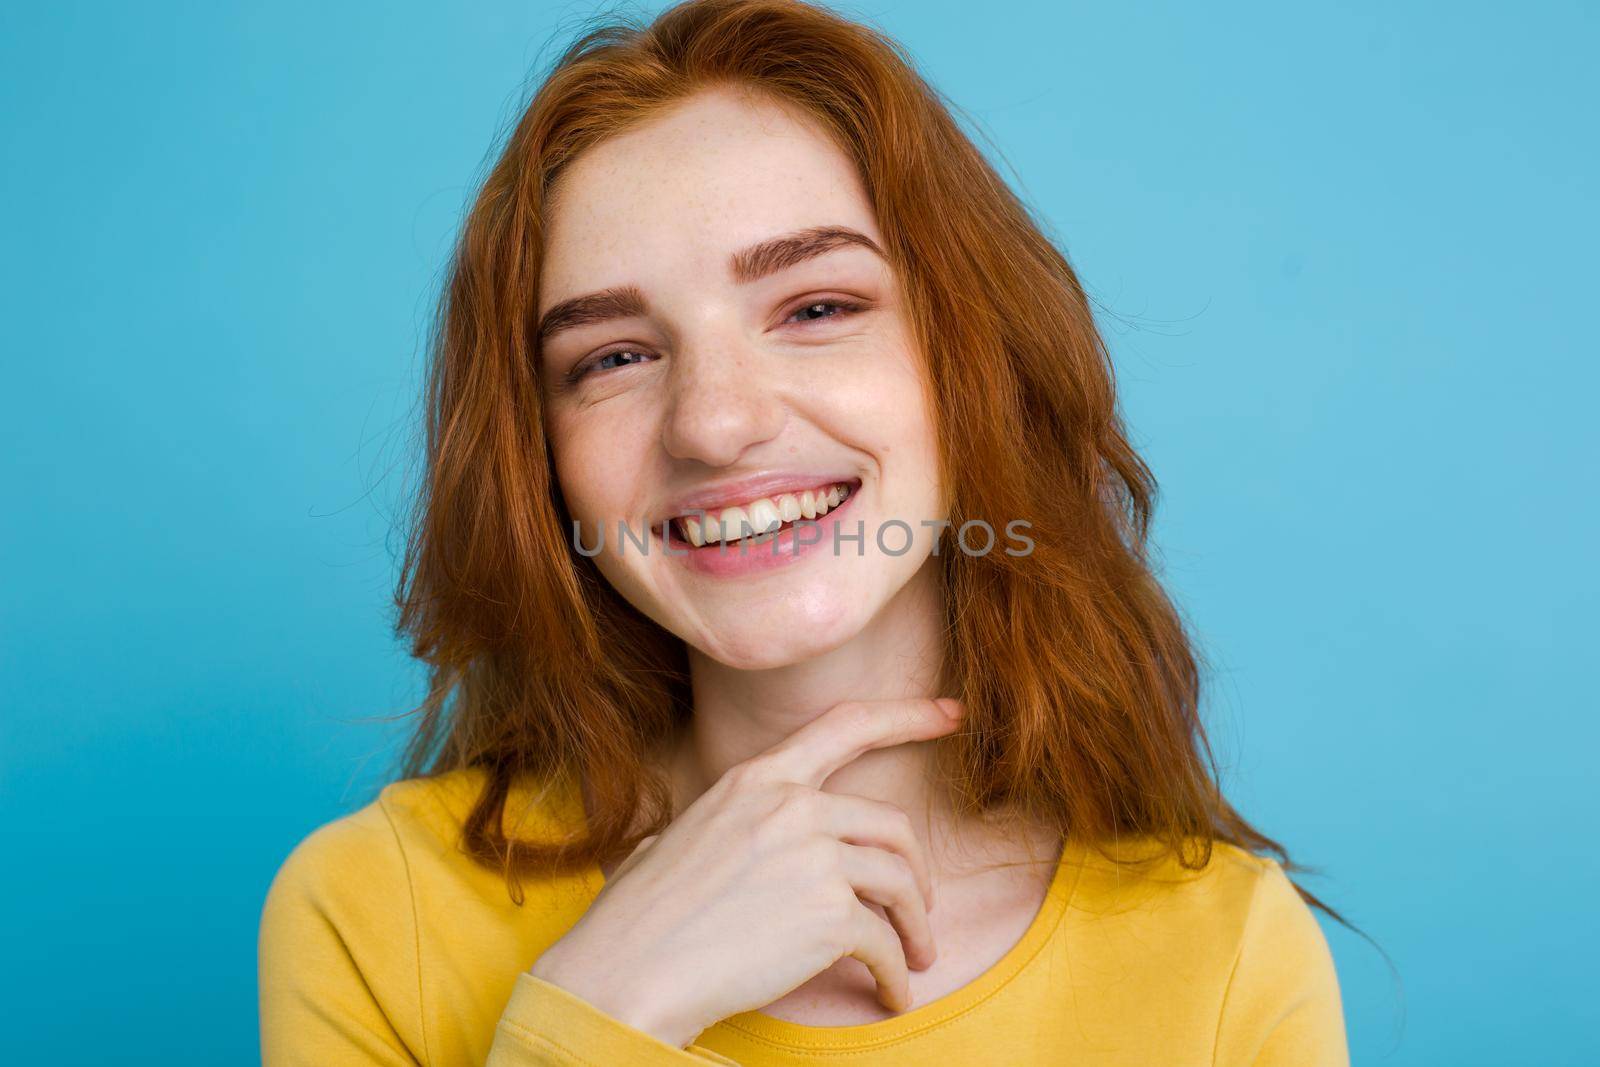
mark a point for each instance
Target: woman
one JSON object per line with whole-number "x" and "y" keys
{"x": 802, "y": 691}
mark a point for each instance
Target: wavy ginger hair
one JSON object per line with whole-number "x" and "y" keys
{"x": 1081, "y": 685}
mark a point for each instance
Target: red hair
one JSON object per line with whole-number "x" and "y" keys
{"x": 1081, "y": 683}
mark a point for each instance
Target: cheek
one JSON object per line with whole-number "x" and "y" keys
{"x": 585, "y": 447}
{"x": 887, "y": 406}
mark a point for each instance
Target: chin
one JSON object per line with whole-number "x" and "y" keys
{"x": 786, "y": 633}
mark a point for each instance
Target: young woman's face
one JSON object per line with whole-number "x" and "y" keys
{"x": 742, "y": 345}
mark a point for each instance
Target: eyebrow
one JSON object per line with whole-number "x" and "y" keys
{"x": 751, "y": 264}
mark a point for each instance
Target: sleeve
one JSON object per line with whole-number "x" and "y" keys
{"x": 545, "y": 1024}
{"x": 1282, "y": 1007}
{"x": 339, "y": 975}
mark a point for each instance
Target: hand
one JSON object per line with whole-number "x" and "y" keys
{"x": 762, "y": 883}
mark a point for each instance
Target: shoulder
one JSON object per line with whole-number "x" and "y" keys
{"x": 1282, "y": 1004}
{"x": 1229, "y": 945}
{"x": 338, "y": 940}
{"x": 350, "y": 872}
{"x": 368, "y": 844}
{"x": 1139, "y": 876}
{"x": 369, "y": 919}
{"x": 369, "y": 874}
{"x": 1207, "y": 911}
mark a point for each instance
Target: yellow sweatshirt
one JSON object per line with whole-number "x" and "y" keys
{"x": 383, "y": 944}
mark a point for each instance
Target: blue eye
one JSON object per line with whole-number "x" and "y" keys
{"x": 603, "y": 362}
{"x": 821, "y": 306}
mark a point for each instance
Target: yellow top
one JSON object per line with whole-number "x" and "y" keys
{"x": 381, "y": 943}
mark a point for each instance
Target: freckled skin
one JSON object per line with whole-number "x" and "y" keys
{"x": 727, "y": 380}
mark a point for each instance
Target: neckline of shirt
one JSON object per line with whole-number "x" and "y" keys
{"x": 795, "y": 1036}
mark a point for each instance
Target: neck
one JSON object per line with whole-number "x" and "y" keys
{"x": 740, "y": 713}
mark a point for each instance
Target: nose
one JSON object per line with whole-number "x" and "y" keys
{"x": 722, "y": 400}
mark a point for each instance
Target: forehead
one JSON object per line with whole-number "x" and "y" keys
{"x": 680, "y": 193}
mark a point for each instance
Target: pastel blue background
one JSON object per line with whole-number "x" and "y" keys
{"x": 1346, "y": 262}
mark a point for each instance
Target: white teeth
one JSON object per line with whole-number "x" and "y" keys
{"x": 733, "y": 522}
{"x": 762, "y": 515}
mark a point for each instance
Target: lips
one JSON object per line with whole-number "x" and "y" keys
{"x": 761, "y": 516}
{"x": 768, "y": 553}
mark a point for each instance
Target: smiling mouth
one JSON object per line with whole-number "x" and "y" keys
{"x": 759, "y": 519}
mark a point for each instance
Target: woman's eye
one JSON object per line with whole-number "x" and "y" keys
{"x": 622, "y": 357}
{"x": 603, "y": 364}
{"x": 825, "y": 309}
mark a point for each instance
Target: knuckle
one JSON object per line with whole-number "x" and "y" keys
{"x": 901, "y": 824}
{"x": 786, "y": 820}
{"x": 842, "y": 913}
{"x": 830, "y": 916}
{"x": 826, "y": 857}
{"x": 795, "y": 802}
{"x": 770, "y": 837}
{"x": 747, "y": 774}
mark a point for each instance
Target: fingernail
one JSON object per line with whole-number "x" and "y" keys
{"x": 950, "y": 707}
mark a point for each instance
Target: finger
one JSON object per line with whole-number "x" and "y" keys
{"x": 845, "y": 731}
{"x": 876, "y": 945}
{"x": 864, "y": 821}
{"x": 881, "y": 877}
